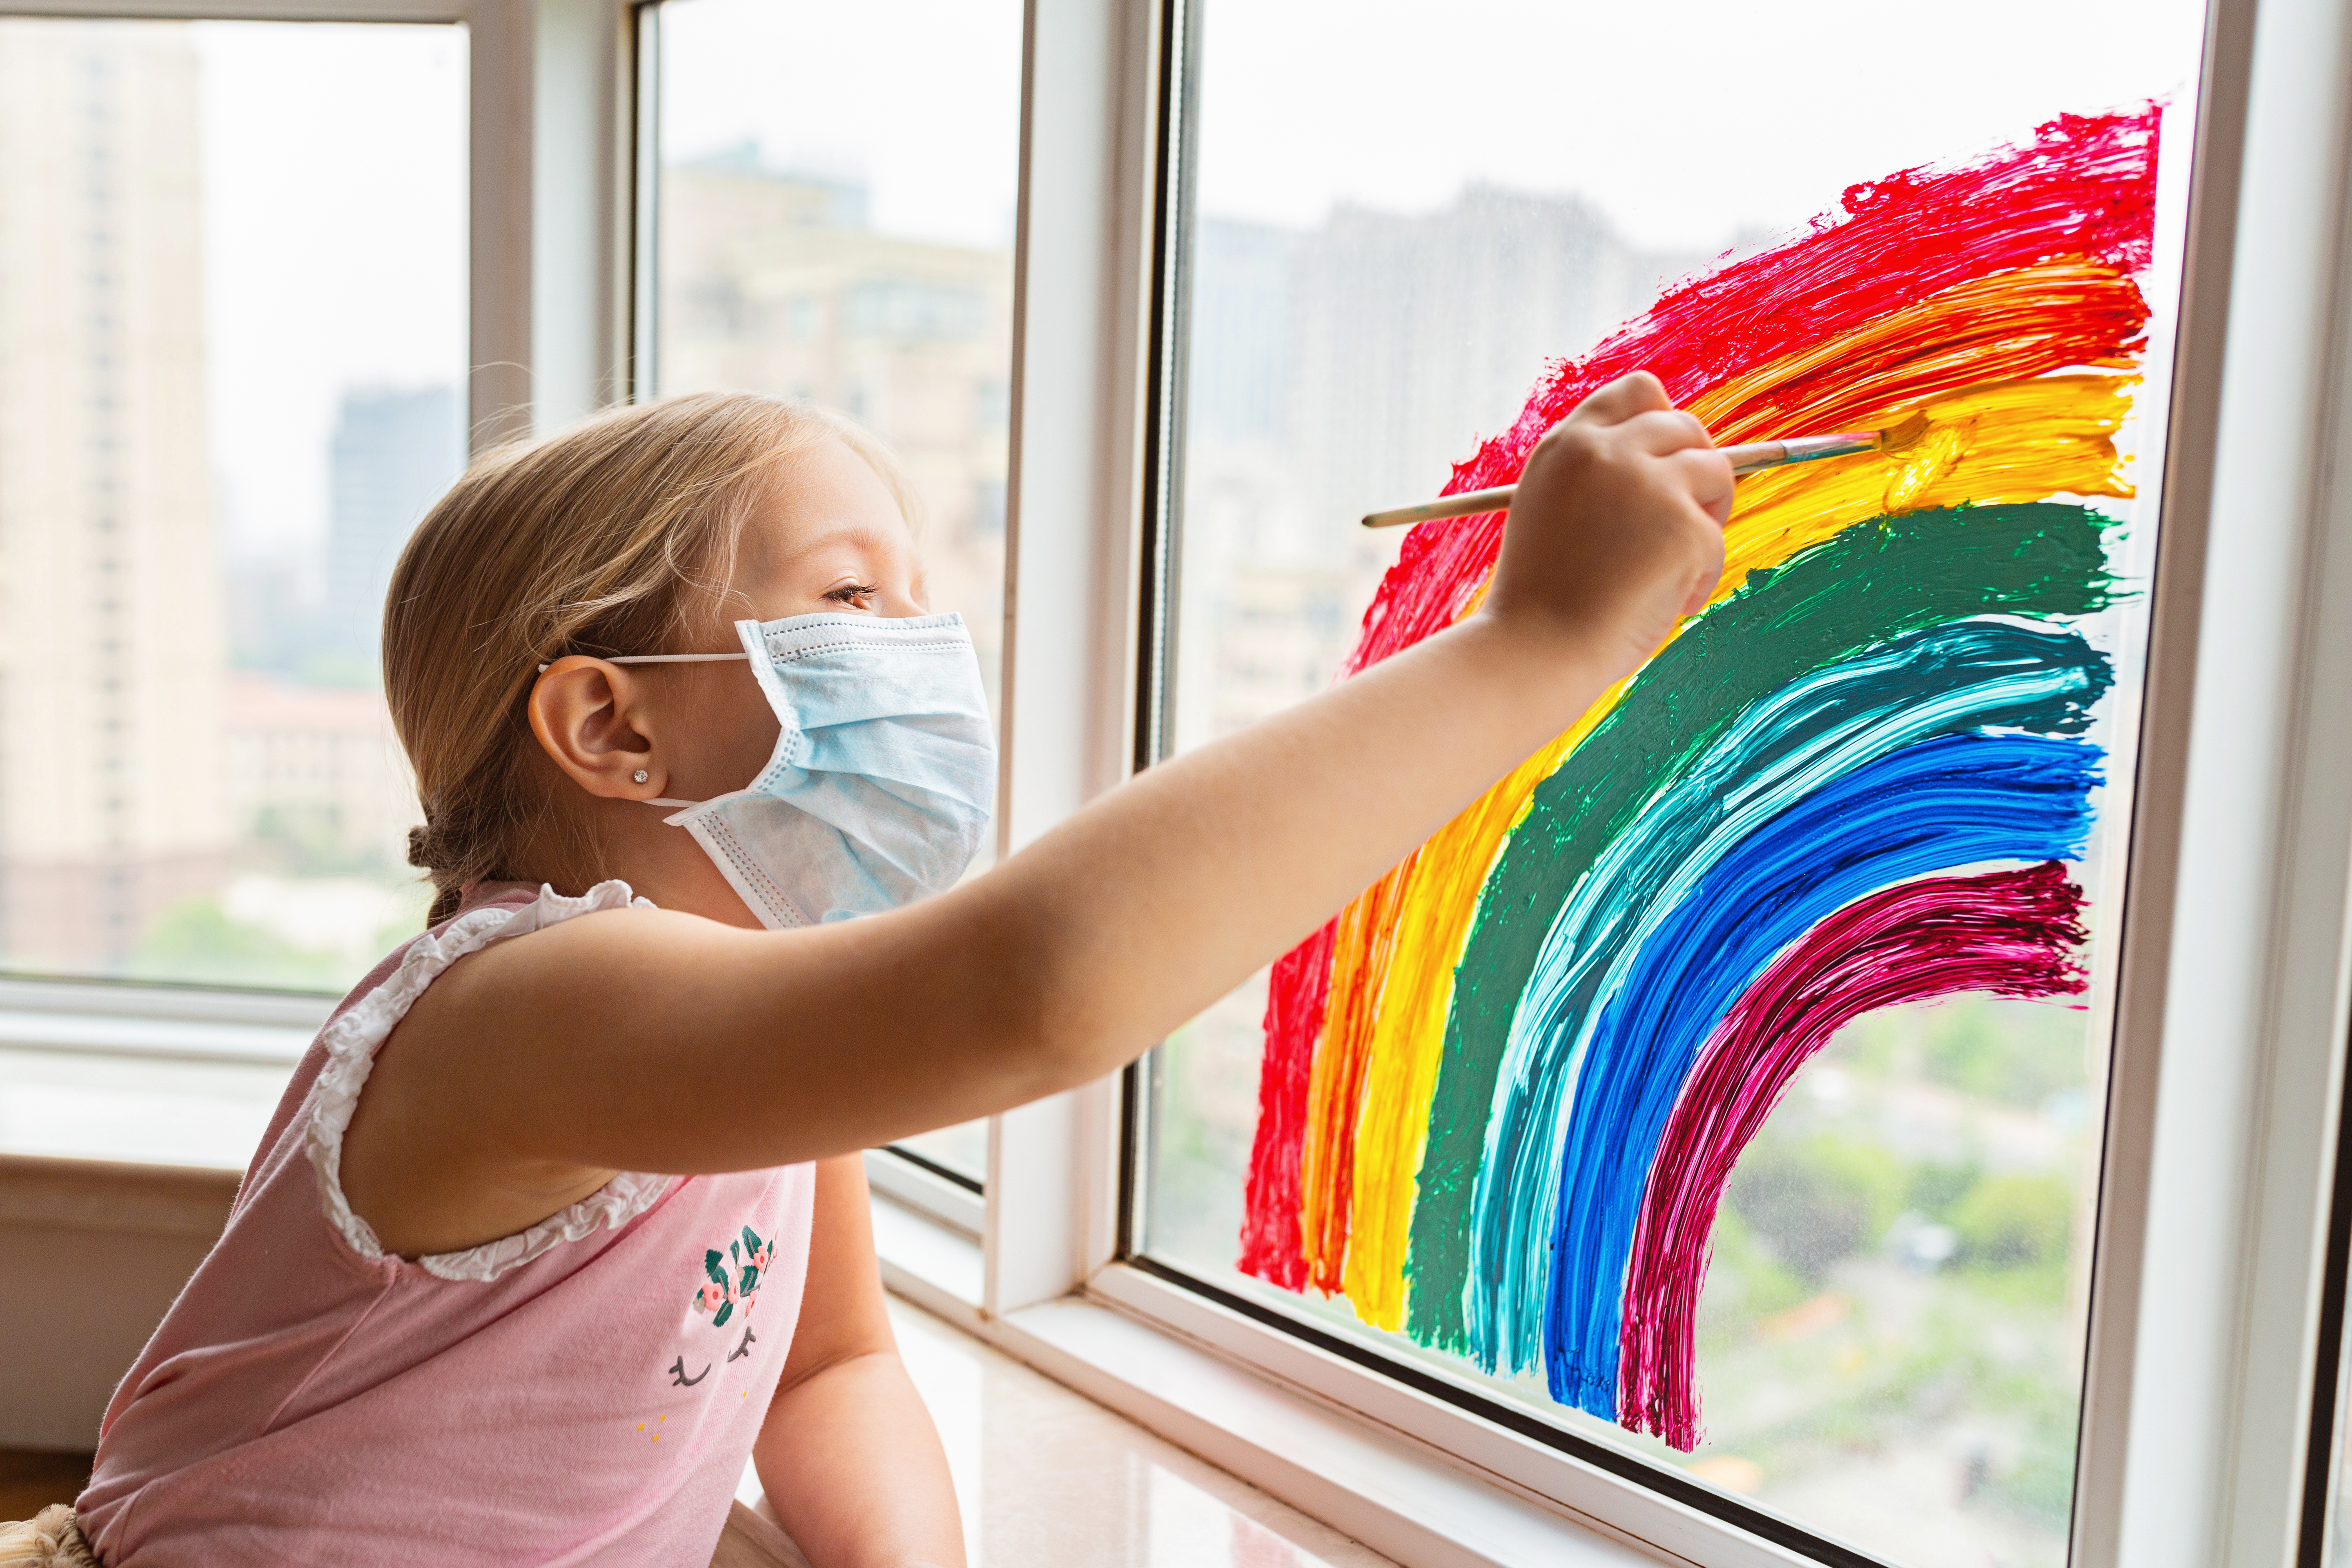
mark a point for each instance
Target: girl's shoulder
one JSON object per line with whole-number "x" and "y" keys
{"x": 344, "y": 1059}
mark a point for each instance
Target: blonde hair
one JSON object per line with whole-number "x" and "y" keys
{"x": 614, "y": 537}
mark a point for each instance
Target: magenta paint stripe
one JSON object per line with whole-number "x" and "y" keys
{"x": 2010, "y": 933}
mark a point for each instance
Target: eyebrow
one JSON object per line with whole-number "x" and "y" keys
{"x": 837, "y": 533}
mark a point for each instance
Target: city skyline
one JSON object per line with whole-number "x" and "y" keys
{"x": 775, "y": 281}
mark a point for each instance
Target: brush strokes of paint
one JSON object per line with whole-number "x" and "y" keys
{"x": 1798, "y": 741}
{"x": 1437, "y": 899}
{"x": 2012, "y": 440}
{"x": 2001, "y": 442}
{"x": 1336, "y": 1088}
{"x": 2010, "y": 325}
{"x": 2009, "y": 441}
{"x": 2008, "y": 933}
{"x": 1923, "y": 317}
{"x": 2084, "y": 187}
{"x": 1869, "y": 583}
{"x": 1297, "y": 993}
{"x": 1967, "y": 800}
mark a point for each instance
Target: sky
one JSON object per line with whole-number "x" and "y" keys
{"x": 333, "y": 161}
{"x": 918, "y": 100}
{"x": 1685, "y": 123}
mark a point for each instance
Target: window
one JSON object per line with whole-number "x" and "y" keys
{"x": 1385, "y": 235}
{"x": 1285, "y": 269}
{"x": 233, "y": 362}
{"x": 828, "y": 229}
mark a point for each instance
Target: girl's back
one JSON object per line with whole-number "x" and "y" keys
{"x": 584, "y": 1391}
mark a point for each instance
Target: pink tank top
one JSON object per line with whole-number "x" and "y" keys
{"x": 584, "y": 1391}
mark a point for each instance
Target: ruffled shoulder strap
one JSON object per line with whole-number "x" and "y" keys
{"x": 351, "y": 1039}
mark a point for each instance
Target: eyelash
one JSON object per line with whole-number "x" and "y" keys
{"x": 850, "y": 593}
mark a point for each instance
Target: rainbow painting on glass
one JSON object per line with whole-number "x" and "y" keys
{"x": 1503, "y": 1090}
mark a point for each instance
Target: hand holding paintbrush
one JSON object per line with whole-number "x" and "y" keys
{"x": 1747, "y": 459}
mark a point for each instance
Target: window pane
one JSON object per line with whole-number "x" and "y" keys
{"x": 1646, "y": 1094}
{"x": 838, "y": 229}
{"x": 962, "y": 1150}
{"x": 232, "y": 354}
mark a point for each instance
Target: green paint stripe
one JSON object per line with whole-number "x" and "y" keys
{"x": 1871, "y": 582}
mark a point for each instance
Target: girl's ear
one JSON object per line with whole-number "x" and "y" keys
{"x": 593, "y": 718}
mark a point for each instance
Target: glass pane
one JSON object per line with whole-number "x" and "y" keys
{"x": 845, "y": 235}
{"x": 1726, "y": 1086}
{"x": 961, "y": 1150}
{"x": 232, "y": 356}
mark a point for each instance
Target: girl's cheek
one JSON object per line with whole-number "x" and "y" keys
{"x": 725, "y": 739}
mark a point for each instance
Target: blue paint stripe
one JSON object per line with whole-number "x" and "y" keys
{"x": 1949, "y": 680}
{"x": 1942, "y": 806}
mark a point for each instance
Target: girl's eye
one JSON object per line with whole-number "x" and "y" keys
{"x": 854, "y": 594}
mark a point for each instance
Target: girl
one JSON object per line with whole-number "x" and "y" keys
{"x": 561, "y": 1218}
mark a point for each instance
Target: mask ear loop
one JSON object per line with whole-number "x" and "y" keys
{"x": 664, "y": 801}
{"x": 664, "y": 658}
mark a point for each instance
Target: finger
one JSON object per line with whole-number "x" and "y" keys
{"x": 1707, "y": 474}
{"x": 1621, "y": 399}
{"x": 1706, "y": 575}
{"x": 1664, "y": 430}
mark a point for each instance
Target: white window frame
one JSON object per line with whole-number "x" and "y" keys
{"x": 2232, "y": 1019}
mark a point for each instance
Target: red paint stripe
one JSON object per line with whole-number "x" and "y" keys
{"x": 2010, "y": 933}
{"x": 1296, "y": 995}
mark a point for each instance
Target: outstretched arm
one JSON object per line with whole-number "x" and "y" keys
{"x": 618, "y": 1034}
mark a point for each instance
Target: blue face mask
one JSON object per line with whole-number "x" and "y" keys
{"x": 881, "y": 782}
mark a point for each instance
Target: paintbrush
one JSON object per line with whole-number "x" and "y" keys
{"x": 1747, "y": 459}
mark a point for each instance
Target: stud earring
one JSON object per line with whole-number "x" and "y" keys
{"x": 639, "y": 775}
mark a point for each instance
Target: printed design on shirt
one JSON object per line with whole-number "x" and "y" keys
{"x": 734, "y": 1282}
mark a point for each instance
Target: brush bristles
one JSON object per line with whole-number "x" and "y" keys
{"x": 1902, "y": 434}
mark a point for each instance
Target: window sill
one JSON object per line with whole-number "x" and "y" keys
{"x": 956, "y": 1207}
{"x": 141, "y": 1227}
{"x": 145, "y": 1075}
{"x": 1396, "y": 1494}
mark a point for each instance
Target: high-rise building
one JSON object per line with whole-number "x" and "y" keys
{"x": 393, "y": 452}
{"x": 112, "y": 645}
